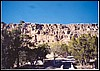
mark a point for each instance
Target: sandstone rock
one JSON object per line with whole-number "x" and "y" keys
{"x": 47, "y": 33}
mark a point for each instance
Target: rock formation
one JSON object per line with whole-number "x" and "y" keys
{"x": 48, "y": 33}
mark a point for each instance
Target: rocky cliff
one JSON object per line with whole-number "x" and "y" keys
{"x": 48, "y": 33}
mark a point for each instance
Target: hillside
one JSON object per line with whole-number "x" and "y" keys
{"x": 49, "y": 33}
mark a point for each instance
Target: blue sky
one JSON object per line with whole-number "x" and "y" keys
{"x": 50, "y": 11}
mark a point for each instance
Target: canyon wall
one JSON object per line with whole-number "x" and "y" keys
{"x": 49, "y": 33}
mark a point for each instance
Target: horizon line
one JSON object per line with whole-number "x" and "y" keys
{"x": 54, "y": 23}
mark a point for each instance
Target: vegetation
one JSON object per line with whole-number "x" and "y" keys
{"x": 84, "y": 47}
{"x": 38, "y": 53}
{"x": 10, "y": 48}
{"x": 13, "y": 51}
{"x": 59, "y": 48}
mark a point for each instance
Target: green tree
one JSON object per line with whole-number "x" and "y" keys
{"x": 64, "y": 50}
{"x": 42, "y": 50}
{"x": 11, "y": 44}
{"x": 38, "y": 52}
{"x": 5, "y": 44}
{"x": 59, "y": 48}
{"x": 83, "y": 47}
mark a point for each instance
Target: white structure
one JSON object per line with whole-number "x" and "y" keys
{"x": 59, "y": 68}
{"x": 29, "y": 63}
{"x": 72, "y": 67}
{"x": 39, "y": 62}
